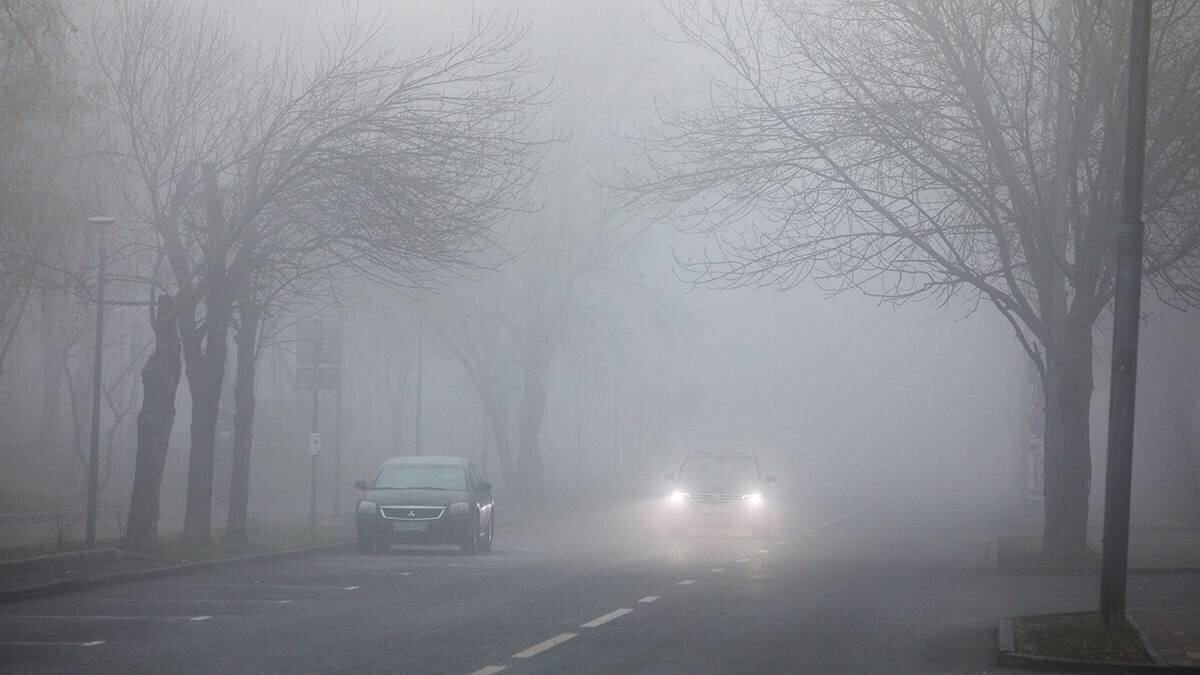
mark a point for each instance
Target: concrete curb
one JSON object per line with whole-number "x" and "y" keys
{"x": 69, "y": 556}
{"x": 1008, "y": 656}
{"x": 74, "y": 585}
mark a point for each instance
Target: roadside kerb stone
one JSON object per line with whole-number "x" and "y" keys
{"x": 1008, "y": 656}
{"x": 62, "y": 586}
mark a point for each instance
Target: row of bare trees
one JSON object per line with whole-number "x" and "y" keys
{"x": 243, "y": 182}
{"x": 261, "y": 178}
{"x": 941, "y": 149}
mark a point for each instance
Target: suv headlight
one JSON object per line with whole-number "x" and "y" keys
{"x": 367, "y": 508}
{"x": 753, "y": 499}
{"x": 460, "y": 509}
{"x": 678, "y": 496}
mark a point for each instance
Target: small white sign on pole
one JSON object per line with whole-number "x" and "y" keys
{"x": 314, "y": 444}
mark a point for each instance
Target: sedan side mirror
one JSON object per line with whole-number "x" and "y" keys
{"x": 669, "y": 476}
{"x": 483, "y": 487}
{"x": 769, "y": 478}
{"x": 362, "y": 485}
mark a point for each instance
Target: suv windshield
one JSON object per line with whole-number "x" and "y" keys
{"x": 410, "y": 476}
{"x": 723, "y": 468}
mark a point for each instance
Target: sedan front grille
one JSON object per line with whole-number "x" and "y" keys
{"x": 715, "y": 497}
{"x": 412, "y": 512}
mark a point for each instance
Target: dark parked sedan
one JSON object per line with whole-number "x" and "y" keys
{"x": 426, "y": 500}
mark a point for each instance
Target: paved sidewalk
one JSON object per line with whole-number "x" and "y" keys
{"x": 1172, "y": 635}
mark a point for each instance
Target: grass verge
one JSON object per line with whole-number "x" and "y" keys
{"x": 1080, "y": 637}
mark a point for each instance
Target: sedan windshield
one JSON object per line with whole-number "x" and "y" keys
{"x": 720, "y": 468}
{"x": 429, "y": 477}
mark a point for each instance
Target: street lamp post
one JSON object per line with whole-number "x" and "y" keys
{"x": 94, "y": 455}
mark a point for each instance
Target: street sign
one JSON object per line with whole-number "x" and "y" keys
{"x": 314, "y": 444}
{"x": 326, "y": 377}
{"x": 318, "y": 341}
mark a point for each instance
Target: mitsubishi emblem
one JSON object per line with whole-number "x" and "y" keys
{"x": 412, "y": 514}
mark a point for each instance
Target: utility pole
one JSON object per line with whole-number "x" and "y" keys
{"x": 337, "y": 431}
{"x": 314, "y": 437}
{"x": 578, "y": 426}
{"x": 1126, "y": 315}
{"x": 420, "y": 365}
{"x": 93, "y": 477}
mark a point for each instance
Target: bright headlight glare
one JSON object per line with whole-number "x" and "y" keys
{"x": 366, "y": 508}
{"x": 754, "y": 498}
{"x": 460, "y": 509}
{"x": 678, "y": 496}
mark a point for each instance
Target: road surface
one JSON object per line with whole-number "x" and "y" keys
{"x": 843, "y": 586}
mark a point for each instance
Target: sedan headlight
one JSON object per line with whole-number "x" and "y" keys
{"x": 460, "y": 509}
{"x": 366, "y": 508}
{"x": 678, "y": 496}
{"x": 754, "y": 498}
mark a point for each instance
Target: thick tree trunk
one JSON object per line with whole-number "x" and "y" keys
{"x": 1179, "y": 455}
{"x": 1068, "y": 387}
{"x": 204, "y": 354}
{"x": 531, "y": 472}
{"x": 246, "y": 339}
{"x": 205, "y": 374}
{"x": 160, "y": 381}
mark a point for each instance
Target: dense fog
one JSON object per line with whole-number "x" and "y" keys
{"x": 573, "y": 280}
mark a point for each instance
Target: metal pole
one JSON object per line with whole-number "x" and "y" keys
{"x": 578, "y": 427}
{"x": 1126, "y": 314}
{"x": 94, "y": 454}
{"x": 316, "y": 428}
{"x": 337, "y": 443}
{"x": 420, "y": 364}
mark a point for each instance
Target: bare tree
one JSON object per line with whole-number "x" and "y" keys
{"x": 939, "y": 149}
{"x": 256, "y": 174}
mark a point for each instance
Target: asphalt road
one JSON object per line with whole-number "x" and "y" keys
{"x": 842, "y": 586}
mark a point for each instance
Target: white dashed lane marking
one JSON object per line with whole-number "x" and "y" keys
{"x": 488, "y": 670}
{"x": 649, "y": 598}
{"x": 687, "y": 582}
{"x": 743, "y": 560}
{"x": 601, "y": 620}
{"x": 543, "y": 646}
{"x": 717, "y": 569}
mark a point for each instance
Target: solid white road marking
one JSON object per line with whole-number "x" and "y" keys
{"x": 256, "y": 584}
{"x": 543, "y": 646}
{"x": 649, "y": 598}
{"x": 488, "y": 670}
{"x": 717, "y": 569}
{"x": 93, "y": 643}
{"x": 190, "y": 601}
{"x": 687, "y": 582}
{"x": 601, "y": 620}
{"x": 204, "y": 617}
{"x": 93, "y": 617}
